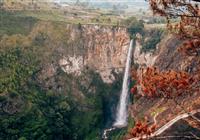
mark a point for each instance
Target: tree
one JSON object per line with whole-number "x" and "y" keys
{"x": 188, "y": 25}
{"x": 133, "y": 25}
{"x": 136, "y": 27}
{"x": 167, "y": 84}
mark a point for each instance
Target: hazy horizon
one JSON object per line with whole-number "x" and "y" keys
{"x": 135, "y": 4}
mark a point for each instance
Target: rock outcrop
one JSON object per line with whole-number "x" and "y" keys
{"x": 142, "y": 58}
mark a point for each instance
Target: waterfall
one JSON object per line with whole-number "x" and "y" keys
{"x": 122, "y": 112}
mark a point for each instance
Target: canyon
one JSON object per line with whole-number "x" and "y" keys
{"x": 164, "y": 57}
{"x": 84, "y": 63}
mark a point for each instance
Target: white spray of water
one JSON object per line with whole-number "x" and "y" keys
{"x": 122, "y": 112}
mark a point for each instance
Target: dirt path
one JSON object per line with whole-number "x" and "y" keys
{"x": 168, "y": 125}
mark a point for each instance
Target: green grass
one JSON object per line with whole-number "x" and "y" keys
{"x": 21, "y": 22}
{"x": 44, "y": 15}
{"x": 58, "y": 16}
{"x": 12, "y": 23}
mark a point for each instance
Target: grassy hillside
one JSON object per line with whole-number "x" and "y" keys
{"x": 12, "y": 23}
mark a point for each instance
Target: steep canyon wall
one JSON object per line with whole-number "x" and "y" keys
{"x": 103, "y": 49}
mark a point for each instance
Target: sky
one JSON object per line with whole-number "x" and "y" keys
{"x": 132, "y": 3}
{"x": 110, "y": 1}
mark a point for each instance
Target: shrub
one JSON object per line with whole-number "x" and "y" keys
{"x": 133, "y": 26}
{"x": 153, "y": 37}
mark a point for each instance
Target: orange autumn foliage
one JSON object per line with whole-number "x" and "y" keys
{"x": 141, "y": 128}
{"x": 191, "y": 47}
{"x": 168, "y": 84}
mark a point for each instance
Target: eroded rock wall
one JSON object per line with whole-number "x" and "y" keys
{"x": 102, "y": 48}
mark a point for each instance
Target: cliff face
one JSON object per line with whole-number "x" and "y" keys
{"x": 103, "y": 49}
{"x": 142, "y": 58}
{"x": 165, "y": 57}
{"x": 75, "y": 47}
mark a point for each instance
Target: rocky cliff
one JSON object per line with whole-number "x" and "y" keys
{"x": 165, "y": 57}
{"x": 146, "y": 59}
{"x": 103, "y": 49}
{"x": 74, "y": 47}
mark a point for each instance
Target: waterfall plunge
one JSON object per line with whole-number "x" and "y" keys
{"x": 122, "y": 112}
